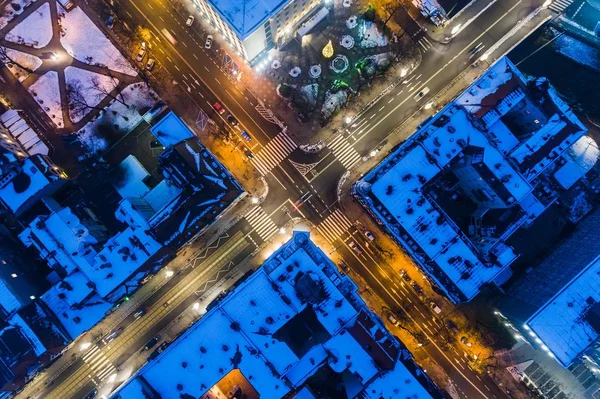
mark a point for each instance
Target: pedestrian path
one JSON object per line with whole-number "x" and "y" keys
{"x": 334, "y": 225}
{"x": 261, "y": 223}
{"x": 344, "y": 152}
{"x": 273, "y": 153}
{"x": 560, "y": 5}
{"x": 99, "y": 364}
{"x": 424, "y": 43}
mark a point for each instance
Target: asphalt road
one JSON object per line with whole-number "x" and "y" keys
{"x": 292, "y": 194}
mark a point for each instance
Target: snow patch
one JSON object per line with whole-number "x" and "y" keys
{"x": 28, "y": 61}
{"x": 85, "y": 42}
{"x": 46, "y": 92}
{"x": 86, "y": 89}
{"x": 13, "y": 9}
{"x": 35, "y": 30}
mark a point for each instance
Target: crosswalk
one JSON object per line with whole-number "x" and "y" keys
{"x": 261, "y": 223}
{"x": 334, "y": 225}
{"x": 424, "y": 43}
{"x": 560, "y": 5}
{"x": 273, "y": 153}
{"x": 344, "y": 152}
{"x": 99, "y": 364}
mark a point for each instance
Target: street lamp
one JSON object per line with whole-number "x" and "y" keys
{"x": 196, "y": 306}
{"x": 254, "y": 200}
{"x": 547, "y": 3}
{"x": 456, "y": 29}
{"x": 348, "y": 120}
{"x": 429, "y": 105}
{"x": 169, "y": 273}
{"x": 84, "y": 346}
{"x": 282, "y": 230}
{"x": 403, "y": 72}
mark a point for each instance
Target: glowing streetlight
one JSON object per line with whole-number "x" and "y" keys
{"x": 196, "y": 306}
{"x": 456, "y": 29}
{"x": 84, "y": 346}
{"x": 429, "y": 105}
{"x": 373, "y": 153}
{"x": 254, "y": 200}
{"x": 403, "y": 72}
{"x": 547, "y": 3}
{"x": 169, "y": 273}
{"x": 484, "y": 57}
{"x": 282, "y": 230}
{"x": 112, "y": 378}
{"x": 348, "y": 120}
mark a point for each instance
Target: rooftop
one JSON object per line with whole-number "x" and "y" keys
{"x": 569, "y": 322}
{"x": 293, "y": 316}
{"x": 470, "y": 176}
{"x": 244, "y": 16}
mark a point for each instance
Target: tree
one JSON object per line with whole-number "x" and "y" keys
{"x": 106, "y": 92}
{"x": 78, "y": 103}
{"x": 5, "y": 58}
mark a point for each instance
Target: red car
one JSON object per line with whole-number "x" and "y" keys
{"x": 219, "y": 108}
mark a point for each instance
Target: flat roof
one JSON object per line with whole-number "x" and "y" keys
{"x": 244, "y": 16}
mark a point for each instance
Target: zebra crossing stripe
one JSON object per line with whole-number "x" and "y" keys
{"x": 344, "y": 152}
{"x": 90, "y": 353}
{"x": 560, "y": 5}
{"x": 261, "y": 223}
{"x": 425, "y": 43}
{"x": 106, "y": 372}
{"x": 273, "y": 153}
{"x": 334, "y": 225}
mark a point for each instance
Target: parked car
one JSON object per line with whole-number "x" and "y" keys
{"x": 246, "y": 136}
{"x": 149, "y": 276}
{"x": 219, "y": 108}
{"x": 110, "y": 21}
{"x": 92, "y": 394}
{"x": 354, "y": 247}
{"x": 465, "y": 341}
{"x": 435, "y": 307}
{"x": 67, "y": 4}
{"x": 150, "y": 64}
{"x": 452, "y": 326}
{"x": 421, "y": 94}
{"x": 231, "y": 119}
{"x": 393, "y": 320}
{"x": 139, "y": 313}
{"x": 209, "y": 42}
{"x": 158, "y": 350}
{"x": 189, "y": 21}
{"x": 151, "y": 343}
{"x": 369, "y": 235}
{"x": 249, "y": 154}
{"x": 140, "y": 55}
{"x": 404, "y": 275}
{"x": 344, "y": 267}
{"x": 113, "y": 335}
{"x": 416, "y": 287}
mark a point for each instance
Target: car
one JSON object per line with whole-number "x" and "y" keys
{"x": 151, "y": 343}
{"x": 393, "y": 320}
{"x": 369, "y": 235}
{"x": 354, "y": 247}
{"x": 452, "y": 326}
{"x": 404, "y": 275}
{"x": 344, "y": 267}
{"x": 67, "y": 4}
{"x": 246, "y": 136}
{"x": 110, "y": 21}
{"x": 189, "y": 21}
{"x": 219, "y": 108}
{"x": 465, "y": 341}
{"x": 421, "y": 94}
{"x": 113, "y": 335}
{"x": 150, "y": 64}
{"x": 92, "y": 394}
{"x": 149, "y": 276}
{"x": 249, "y": 154}
{"x": 435, "y": 307}
{"x": 416, "y": 287}
{"x": 231, "y": 119}
{"x": 158, "y": 350}
{"x": 209, "y": 41}
{"x": 140, "y": 55}
{"x": 139, "y": 313}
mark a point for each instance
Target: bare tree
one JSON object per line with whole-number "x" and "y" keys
{"x": 78, "y": 104}
{"x": 104, "y": 91}
{"x": 7, "y": 59}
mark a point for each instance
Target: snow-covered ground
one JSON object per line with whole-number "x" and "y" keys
{"x": 13, "y": 9}
{"x": 46, "y": 92}
{"x": 35, "y": 30}
{"x": 136, "y": 96}
{"x": 371, "y": 36}
{"x": 26, "y": 60}
{"x": 85, "y": 42}
{"x": 578, "y": 51}
{"x": 91, "y": 87}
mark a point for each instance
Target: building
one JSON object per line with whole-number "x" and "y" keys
{"x": 488, "y": 164}
{"x": 18, "y": 137}
{"x": 24, "y": 181}
{"x": 253, "y": 27}
{"x": 294, "y": 328}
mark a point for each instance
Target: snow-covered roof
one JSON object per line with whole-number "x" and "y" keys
{"x": 244, "y": 16}
{"x": 17, "y": 128}
{"x": 161, "y": 195}
{"x": 75, "y": 320}
{"x": 26, "y": 184}
{"x": 395, "y": 383}
{"x": 132, "y": 184}
{"x": 579, "y": 159}
{"x": 286, "y": 320}
{"x": 569, "y": 322}
{"x": 469, "y": 145}
{"x": 36, "y": 344}
{"x": 171, "y": 130}
{"x": 8, "y": 301}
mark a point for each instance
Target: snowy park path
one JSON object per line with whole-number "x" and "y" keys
{"x": 55, "y": 56}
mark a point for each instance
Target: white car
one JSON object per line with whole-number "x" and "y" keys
{"x": 354, "y": 247}
{"x": 393, "y": 320}
{"x": 209, "y": 40}
{"x": 369, "y": 235}
{"x": 140, "y": 55}
{"x": 189, "y": 21}
{"x": 435, "y": 307}
{"x": 421, "y": 94}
